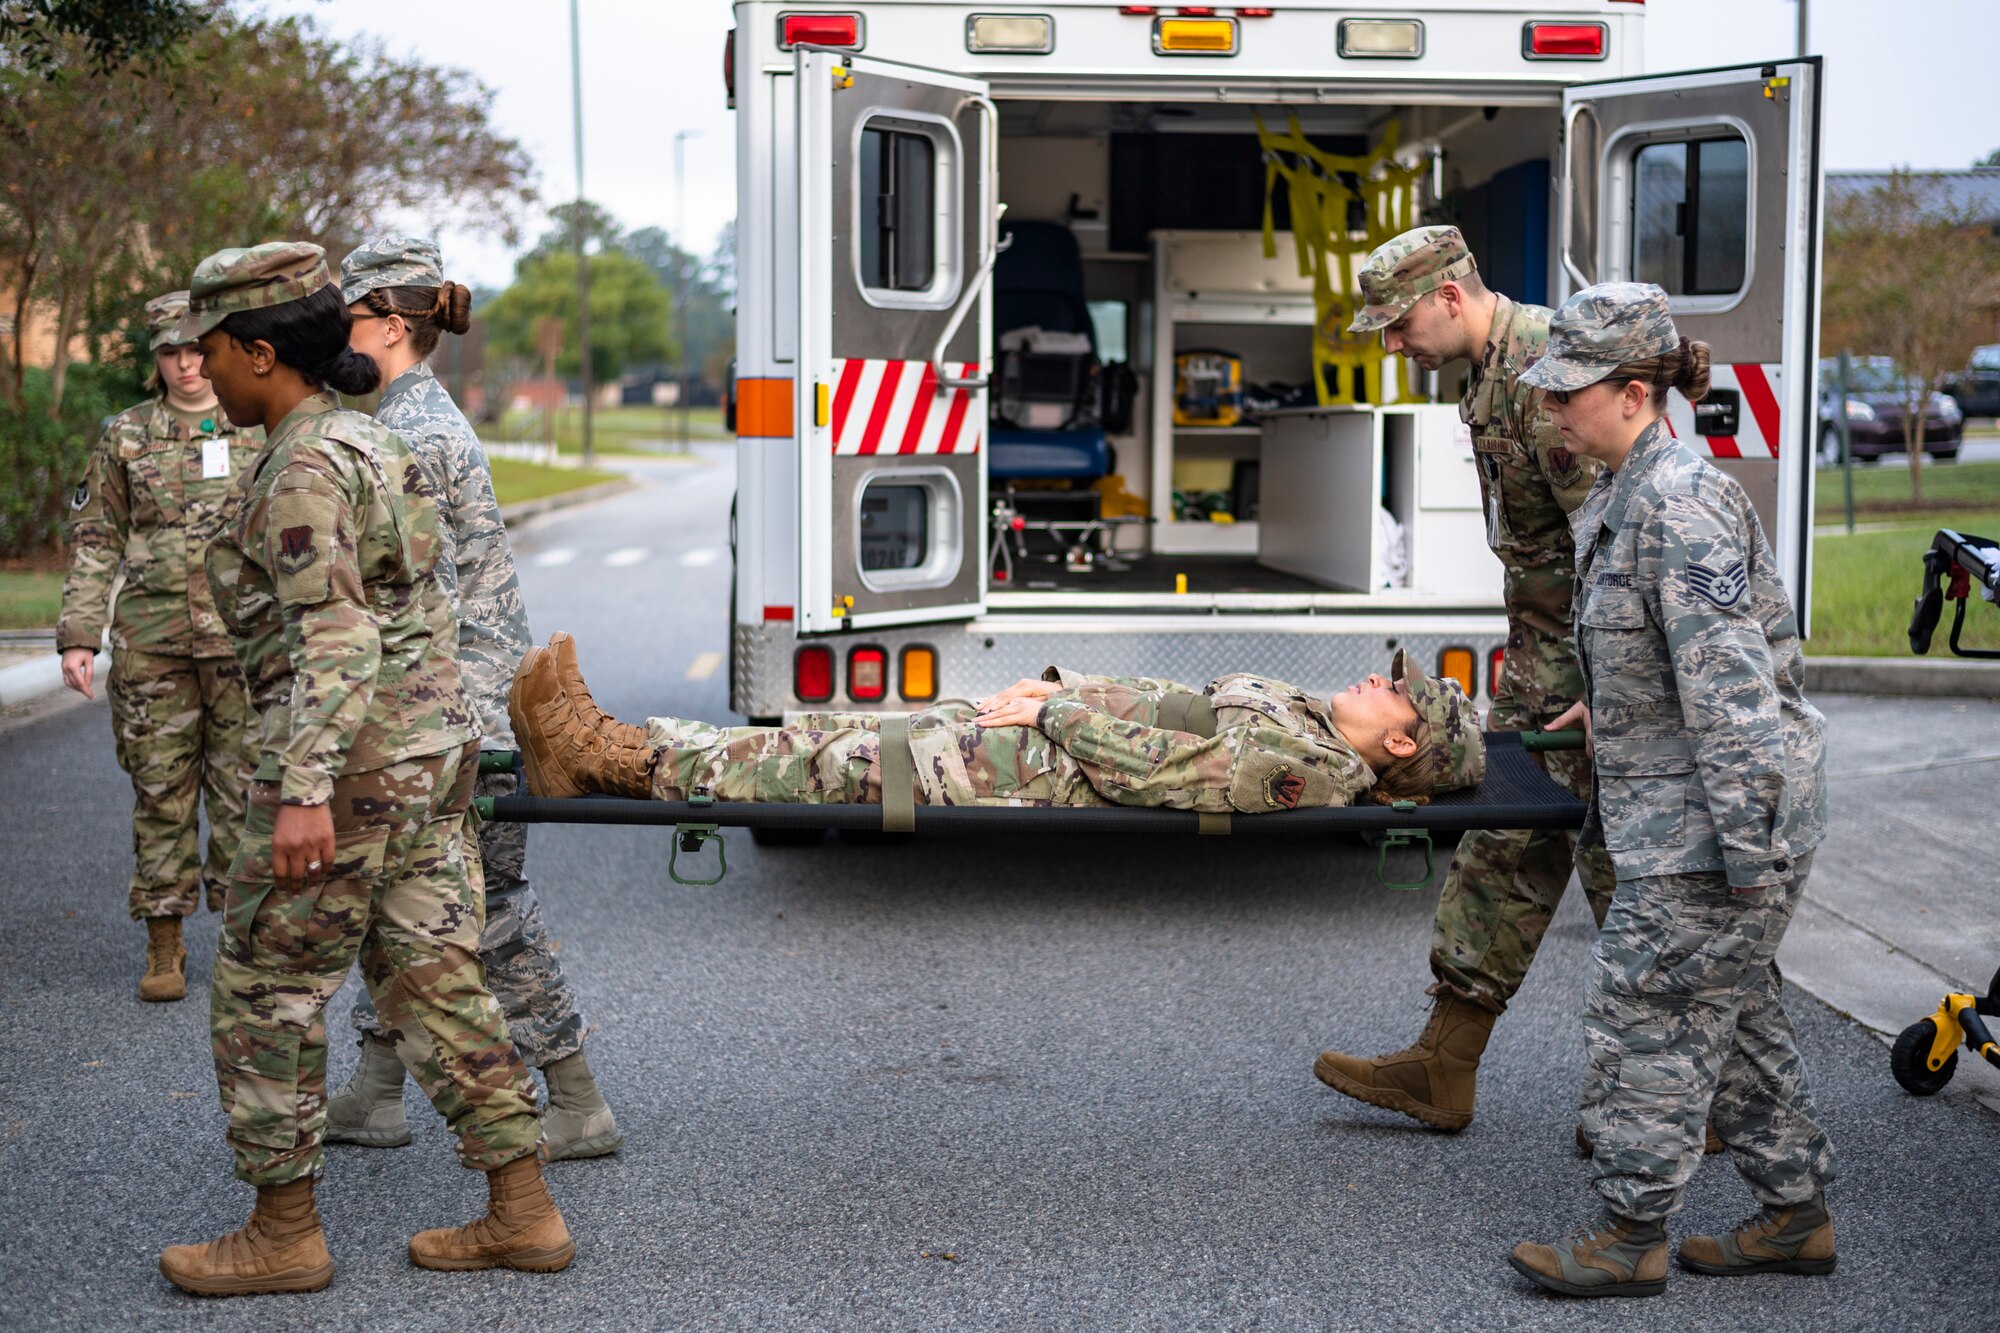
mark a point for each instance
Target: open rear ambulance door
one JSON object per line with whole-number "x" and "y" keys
{"x": 897, "y": 238}
{"x": 1708, "y": 183}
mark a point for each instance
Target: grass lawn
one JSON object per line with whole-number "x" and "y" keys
{"x": 515, "y": 481}
{"x": 1881, "y": 492}
{"x": 30, "y": 598}
{"x": 617, "y": 429}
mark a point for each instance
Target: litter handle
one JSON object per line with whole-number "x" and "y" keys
{"x": 1540, "y": 742}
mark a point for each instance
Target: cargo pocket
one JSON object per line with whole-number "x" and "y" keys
{"x": 1643, "y": 789}
{"x": 940, "y": 768}
{"x": 261, "y": 1064}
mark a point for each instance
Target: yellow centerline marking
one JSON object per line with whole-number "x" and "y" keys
{"x": 704, "y": 666}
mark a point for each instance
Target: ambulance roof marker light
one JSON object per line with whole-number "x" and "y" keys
{"x": 1194, "y": 36}
{"x": 1196, "y": 11}
{"x": 1139, "y": 11}
{"x": 1010, "y": 34}
{"x": 1254, "y": 11}
{"x": 1563, "y": 41}
{"x": 842, "y": 30}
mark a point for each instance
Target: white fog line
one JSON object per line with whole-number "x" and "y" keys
{"x": 704, "y": 666}
{"x": 630, "y": 555}
{"x": 699, "y": 556}
{"x": 555, "y": 555}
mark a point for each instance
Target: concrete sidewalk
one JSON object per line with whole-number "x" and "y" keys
{"x": 1904, "y": 901}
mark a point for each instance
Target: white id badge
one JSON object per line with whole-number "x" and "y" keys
{"x": 214, "y": 459}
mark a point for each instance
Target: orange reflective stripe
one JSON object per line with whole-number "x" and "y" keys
{"x": 764, "y": 408}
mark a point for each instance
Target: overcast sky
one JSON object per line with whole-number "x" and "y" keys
{"x": 1908, "y": 83}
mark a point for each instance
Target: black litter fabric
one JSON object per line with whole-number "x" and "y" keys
{"x": 1516, "y": 794}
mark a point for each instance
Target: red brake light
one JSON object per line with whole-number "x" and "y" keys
{"x": 1562, "y": 41}
{"x": 812, "y": 673}
{"x": 818, "y": 30}
{"x": 1495, "y": 661}
{"x": 868, "y": 675}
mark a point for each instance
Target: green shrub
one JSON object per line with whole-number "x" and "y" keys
{"x": 42, "y": 458}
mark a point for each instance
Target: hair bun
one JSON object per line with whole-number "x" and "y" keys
{"x": 454, "y": 307}
{"x": 350, "y": 372}
{"x": 1691, "y": 374}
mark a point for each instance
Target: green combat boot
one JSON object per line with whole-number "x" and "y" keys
{"x": 578, "y": 1122}
{"x": 1797, "y": 1238}
{"x": 1431, "y": 1081}
{"x": 1619, "y": 1257}
{"x": 369, "y": 1110}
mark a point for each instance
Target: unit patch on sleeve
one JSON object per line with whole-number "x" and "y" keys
{"x": 1724, "y": 587}
{"x": 80, "y": 497}
{"x": 296, "y": 549}
{"x": 1283, "y": 788}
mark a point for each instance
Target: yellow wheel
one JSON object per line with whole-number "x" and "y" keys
{"x": 1909, "y": 1060}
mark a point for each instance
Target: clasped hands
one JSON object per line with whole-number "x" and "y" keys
{"x": 1019, "y": 705}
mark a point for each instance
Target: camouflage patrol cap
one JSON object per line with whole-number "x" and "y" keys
{"x": 1404, "y": 268}
{"x": 166, "y": 317}
{"x": 1458, "y": 747}
{"x": 1600, "y": 329}
{"x": 390, "y": 261}
{"x": 253, "y": 279}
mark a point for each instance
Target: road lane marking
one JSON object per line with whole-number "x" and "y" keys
{"x": 555, "y": 555}
{"x": 630, "y": 555}
{"x": 699, "y": 556}
{"x": 704, "y": 666}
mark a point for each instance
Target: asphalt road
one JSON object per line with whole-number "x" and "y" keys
{"x": 1076, "y": 1077}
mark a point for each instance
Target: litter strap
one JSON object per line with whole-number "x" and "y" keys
{"x": 1516, "y": 794}
{"x": 899, "y": 777}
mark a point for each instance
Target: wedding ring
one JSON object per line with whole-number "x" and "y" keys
{"x": 312, "y": 865}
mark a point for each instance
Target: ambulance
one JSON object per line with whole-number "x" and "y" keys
{"x": 1041, "y": 349}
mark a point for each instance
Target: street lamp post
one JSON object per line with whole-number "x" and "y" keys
{"x": 582, "y": 259}
{"x": 1802, "y": 4}
{"x": 681, "y": 257}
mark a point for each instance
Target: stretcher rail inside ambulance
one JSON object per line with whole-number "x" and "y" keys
{"x": 1515, "y": 794}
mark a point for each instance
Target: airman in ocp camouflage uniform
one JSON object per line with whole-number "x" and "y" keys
{"x": 327, "y": 579}
{"x": 159, "y": 485}
{"x": 396, "y": 291}
{"x": 1711, "y": 796}
{"x": 1504, "y": 884}
{"x": 1242, "y": 745}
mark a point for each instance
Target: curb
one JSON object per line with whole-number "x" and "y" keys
{"x": 527, "y": 509}
{"x": 1909, "y": 677}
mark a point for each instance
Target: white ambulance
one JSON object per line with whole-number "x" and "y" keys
{"x": 1019, "y": 382}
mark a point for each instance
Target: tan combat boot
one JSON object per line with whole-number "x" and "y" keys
{"x": 281, "y": 1248}
{"x": 1797, "y": 1238}
{"x": 578, "y": 1122}
{"x": 569, "y": 671}
{"x": 561, "y": 755}
{"x": 521, "y": 1229}
{"x": 1618, "y": 1257}
{"x": 369, "y": 1110}
{"x": 1431, "y": 1081}
{"x": 166, "y": 960}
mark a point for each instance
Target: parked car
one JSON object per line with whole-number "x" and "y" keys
{"x": 1976, "y": 389}
{"x": 1876, "y": 394}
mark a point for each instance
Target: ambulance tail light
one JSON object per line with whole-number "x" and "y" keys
{"x": 1563, "y": 41}
{"x": 819, "y": 30}
{"x": 812, "y": 673}
{"x": 1459, "y": 664}
{"x": 918, "y": 679}
{"x": 1010, "y": 34}
{"x": 1495, "y": 662}
{"x": 1381, "y": 39}
{"x": 868, "y": 674}
{"x": 1194, "y": 36}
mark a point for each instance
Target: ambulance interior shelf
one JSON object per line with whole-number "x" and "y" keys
{"x": 1516, "y": 794}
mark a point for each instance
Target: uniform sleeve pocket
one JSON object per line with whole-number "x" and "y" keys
{"x": 1266, "y": 780}
{"x": 261, "y": 1063}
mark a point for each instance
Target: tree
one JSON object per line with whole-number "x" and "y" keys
{"x": 628, "y": 312}
{"x": 1992, "y": 159}
{"x": 39, "y": 34}
{"x": 601, "y": 231}
{"x": 1911, "y": 275}
{"x": 113, "y": 185}
{"x": 710, "y": 295}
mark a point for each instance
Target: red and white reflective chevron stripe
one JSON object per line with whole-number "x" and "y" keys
{"x": 894, "y": 407}
{"x": 1757, "y": 424}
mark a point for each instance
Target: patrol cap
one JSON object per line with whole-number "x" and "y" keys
{"x": 1458, "y": 747}
{"x": 390, "y": 261}
{"x": 1402, "y": 269}
{"x": 1600, "y": 329}
{"x": 165, "y": 318}
{"x": 253, "y": 279}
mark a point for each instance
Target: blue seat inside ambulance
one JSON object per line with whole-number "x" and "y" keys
{"x": 1038, "y": 282}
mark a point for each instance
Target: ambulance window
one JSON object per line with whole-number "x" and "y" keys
{"x": 1690, "y": 216}
{"x": 895, "y": 527}
{"x": 898, "y": 224}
